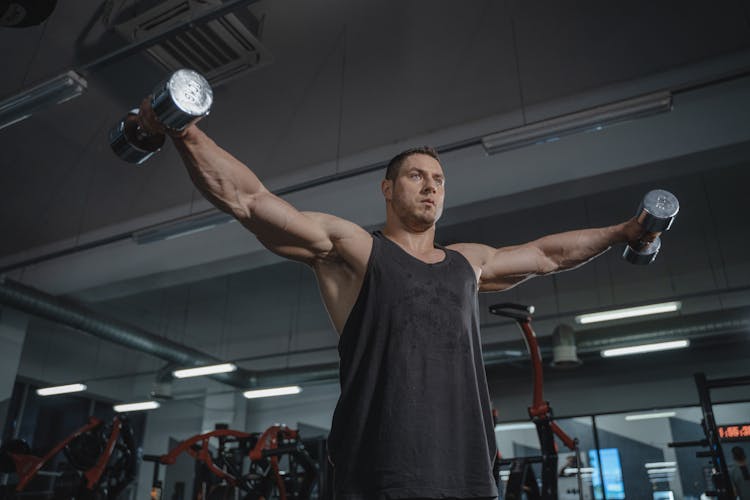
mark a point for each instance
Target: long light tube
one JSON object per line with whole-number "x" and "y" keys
{"x": 61, "y": 389}
{"x": 648, "y": 416}
{"x": 667, "y": 471}
{"x": 629, "y": 312}
{"x": 205, "y": 370}
{"x": 591, "y": 119}
{"x": 142, "y": 405}
{"x": 659, "y": 465}
{"x": 515, "y": 426}
{"x": 55, "y": 91}
{"x": 276, "y": 391}
{"x": 639, "y": 349}
{"x": 181, "y": 227}
{"x": 574, "y": 470}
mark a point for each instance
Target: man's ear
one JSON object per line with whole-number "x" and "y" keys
{"x": 386, "y": 186}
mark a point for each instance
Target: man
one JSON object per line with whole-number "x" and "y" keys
{"x": 739, "y": 474}
{"x": 413, "y": 419}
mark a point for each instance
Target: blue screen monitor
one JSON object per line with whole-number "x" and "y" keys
{"x": 611, "y": 471}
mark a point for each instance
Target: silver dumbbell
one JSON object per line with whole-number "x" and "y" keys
{"x": 178, "y": 102}
{"x": 656, "y": 215}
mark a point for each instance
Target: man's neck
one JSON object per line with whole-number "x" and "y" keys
{"x": 415, "y": 242}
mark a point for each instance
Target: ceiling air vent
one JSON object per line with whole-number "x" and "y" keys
{"x": 219, "y": 48}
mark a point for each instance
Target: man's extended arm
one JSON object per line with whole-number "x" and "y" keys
{"x": 502, "y": 268}
{"x": 233, "y": 188}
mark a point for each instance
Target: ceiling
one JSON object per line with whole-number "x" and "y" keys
{"x": 350, "y": 84}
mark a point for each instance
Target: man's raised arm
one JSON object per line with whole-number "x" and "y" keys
{"x": 235, "y": 189}
{"x": 502, "y": 268}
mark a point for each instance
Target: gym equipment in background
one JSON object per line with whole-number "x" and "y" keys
{"x": 102, "y": 459}
{"x": 221, "y": 472}
{"x": 521, "y": 481}
{"x": 723, "y": 489}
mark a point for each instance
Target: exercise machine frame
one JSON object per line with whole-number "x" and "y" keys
{"x": 541, "y": 415}
{"x": 270, "y": 445}
{"x": 723, "y": 489}
{"x": 28, "y": 466}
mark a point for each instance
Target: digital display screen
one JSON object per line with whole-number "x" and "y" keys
{"x": 611, "y": 471}
{"x": 734, "y": 432}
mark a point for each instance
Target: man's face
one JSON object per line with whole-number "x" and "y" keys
{"x": 418, "y": 192}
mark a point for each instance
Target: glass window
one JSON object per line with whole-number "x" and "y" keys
{"x": 649, "y": 467}
{"x": 519, "y": 439}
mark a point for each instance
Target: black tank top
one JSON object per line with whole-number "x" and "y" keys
{"x": 414, "y": 416}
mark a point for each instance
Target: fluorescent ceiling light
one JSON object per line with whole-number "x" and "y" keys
{"x": 629, "y": 312}
{"x": 638, "y": 349}
{"x": 660, "y": 465}
{"x": 55, "y": 91}
{"x": 647, "y": 416}
{"x": 515, "y": 426}
{"x": 574, "y": 470}
{"x": 667, "y": 470}
{"x": 591, "y": 119}
{"x": 142, "y": 405}
{"x": 61, "y": 389}
{"x": 205, "y": 370}
{"x": 276, "y": 391}
{"x": 181, "y": 227}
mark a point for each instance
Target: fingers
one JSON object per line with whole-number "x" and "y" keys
{"x": 150, "y": 124}
{"x": 147, "y": 119}
{"x": 634, "y": 231}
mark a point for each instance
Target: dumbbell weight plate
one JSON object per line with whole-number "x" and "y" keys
{"x": 658, "y": 210}
{"x": 184, "y": 98}
{"x": 129, "y": 144}
{"x": 644, "y": 254}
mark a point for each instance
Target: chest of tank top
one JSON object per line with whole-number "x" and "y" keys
{"x": 426, "y": 306}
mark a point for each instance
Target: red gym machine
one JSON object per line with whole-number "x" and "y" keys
{"x": 521, "y": 480}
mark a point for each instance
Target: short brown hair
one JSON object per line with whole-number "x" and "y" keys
{"x": 391, "y": 172}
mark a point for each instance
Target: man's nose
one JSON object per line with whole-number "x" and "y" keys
{"x": 430, "y": 185}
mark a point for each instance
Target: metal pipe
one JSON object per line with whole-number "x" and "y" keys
{"x": 727, "y": 382}
{"x": 693, "y": 326}
{"x": 77, "y": 316}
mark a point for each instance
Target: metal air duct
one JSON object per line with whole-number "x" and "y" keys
{"x": 77, "y": 316}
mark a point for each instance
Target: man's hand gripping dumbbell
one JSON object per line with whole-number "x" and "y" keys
{"x": 177, "y": 102}
{"x": 655, "y": 215}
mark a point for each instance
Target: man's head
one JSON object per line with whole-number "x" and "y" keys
{"x": 738, "y": 454}
{"x": 391, "y": 171}
{"x": 414, "y": 188}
